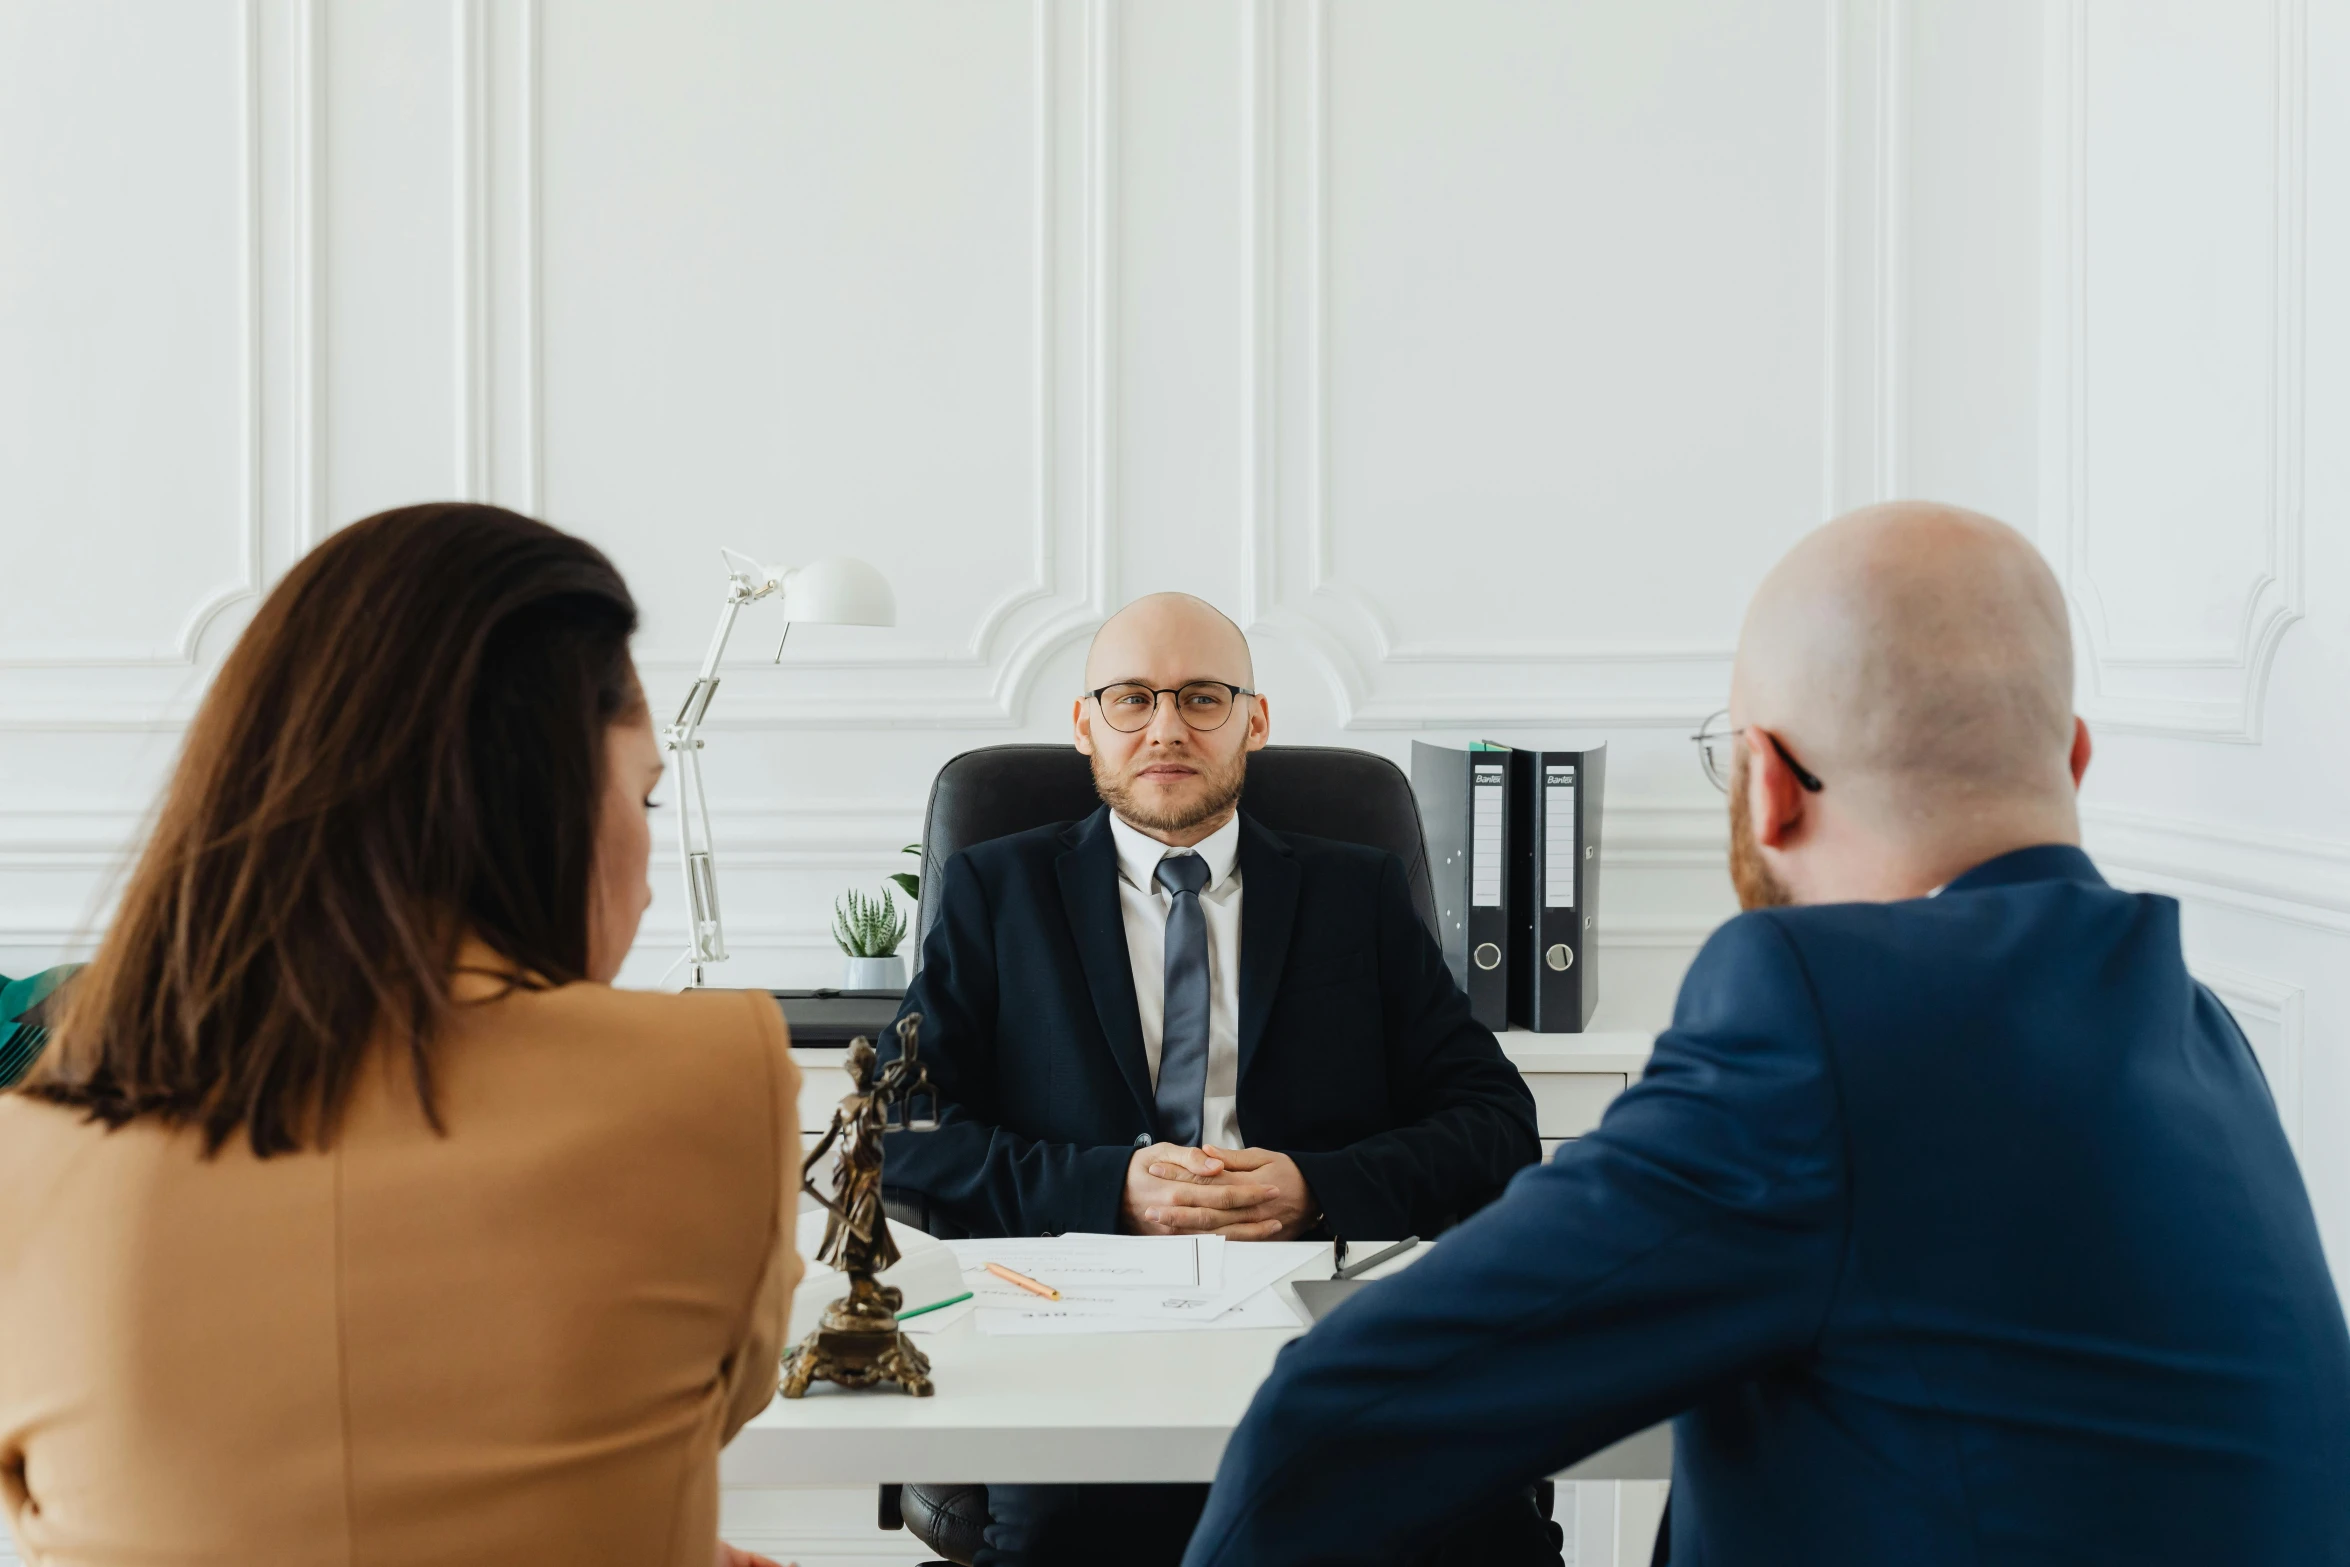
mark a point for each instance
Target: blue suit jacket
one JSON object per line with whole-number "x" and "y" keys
{"x": 1358, "y": 1057}
{"x": 1960, "y": 1230}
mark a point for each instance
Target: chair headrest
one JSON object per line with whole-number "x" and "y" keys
{"x": 1320, "y": 790}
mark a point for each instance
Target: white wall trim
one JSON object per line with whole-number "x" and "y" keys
{"x": 1890, "y": 233}
{"x": 530, "y": 316}
{"x": 2262, "y": 999}
{"x": 850, "y": 831}
{"x": 500, "y": 434}
{"x": 1664, "y": 835}
{"x": 33, "y": 837}
{"x": 2192, "y": 691}
{"x": 2287, "y": 876}
{"x": 308, "y": 380}
{"x": 661, "y": 936}
{"x": 469, "y": 185}
{"x": 141, "y": 707}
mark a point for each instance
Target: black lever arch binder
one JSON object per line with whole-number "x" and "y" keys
{"x": 1464, "y": 806}
{"x": 1553, "y": 815}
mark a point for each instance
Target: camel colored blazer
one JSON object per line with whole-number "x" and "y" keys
{"x": 524, "y": 1341}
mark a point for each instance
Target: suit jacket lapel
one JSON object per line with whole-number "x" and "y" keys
{"x": 1268, "y": 906}
{"x": 1089, "y": 894}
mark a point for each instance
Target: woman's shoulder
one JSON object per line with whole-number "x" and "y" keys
{"x": 32, "y": 1133}
{"x": 749, "y": 1015}
{"x": 692, "y": 1060}
{"x": 726, "y": 1027}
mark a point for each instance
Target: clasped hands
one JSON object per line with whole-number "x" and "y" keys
{"x": 1242, "y": 1194}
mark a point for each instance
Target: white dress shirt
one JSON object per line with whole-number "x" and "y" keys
{"x": 1144, "y": 903}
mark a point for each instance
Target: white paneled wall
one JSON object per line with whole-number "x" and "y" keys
{"x": 1477, "y": 356}
{"x": 2195, "y": 235}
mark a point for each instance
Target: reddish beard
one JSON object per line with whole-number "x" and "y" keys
{"x": 1220, "y": 790}
{"x": 1759, "y": 887}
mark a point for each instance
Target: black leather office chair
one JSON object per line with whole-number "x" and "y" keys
{"x": 1325, "y": 791}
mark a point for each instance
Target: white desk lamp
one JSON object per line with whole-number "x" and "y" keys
{"x": 836, "y": 591}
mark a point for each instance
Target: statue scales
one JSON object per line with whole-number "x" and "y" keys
{"x": 857, "y": 1342}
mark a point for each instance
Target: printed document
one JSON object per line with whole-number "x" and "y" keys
{"x": 1126, "y": 1284}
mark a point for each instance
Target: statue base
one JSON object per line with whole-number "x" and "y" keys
{"x": 857, "y": 1343}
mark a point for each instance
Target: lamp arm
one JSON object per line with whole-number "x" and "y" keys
{"x": 697, "y": 857}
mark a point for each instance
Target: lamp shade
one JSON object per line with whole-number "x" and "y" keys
{"x": 838, "y": 590}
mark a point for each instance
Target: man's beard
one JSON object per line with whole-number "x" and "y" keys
{"x": 1759, "y": 887}
{"x": 1221, "y": 794}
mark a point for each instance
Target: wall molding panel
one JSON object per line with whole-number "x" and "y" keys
{"x": 984, "y": 683}
{"x": 2290, "y": 877}
{"x": 180, "y": 649}
{"x": 2195, "y": 686}
{"x": 152, "y": 687}
{"x": 1383, "y": 678}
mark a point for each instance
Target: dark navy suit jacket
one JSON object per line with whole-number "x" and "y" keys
{"x": 1358, "y": 1057}
{"x": 1960, "y": 1230}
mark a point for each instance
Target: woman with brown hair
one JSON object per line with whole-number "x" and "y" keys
{"x": 350, "y": 1214}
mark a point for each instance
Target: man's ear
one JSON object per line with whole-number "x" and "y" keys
{"x": 1260, "y": 723}
{"x": 1081, "y": 728}
{"x": 2081, "y": 750}
{"x": 1775, "y": 800}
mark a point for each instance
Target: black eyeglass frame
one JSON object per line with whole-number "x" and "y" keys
{"x": 1706, "y": 733}
{"x": 1174, "y": 691}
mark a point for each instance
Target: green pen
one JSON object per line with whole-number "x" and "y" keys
{"x": 936, "y": 1305}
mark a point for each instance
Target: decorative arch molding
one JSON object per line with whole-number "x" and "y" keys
{"x": 1381, "y": 679}
{"x": 248, "y": 519}
{"x": 497, "y": 444}
{"x": 2191, "y": 688}
{"x": 1073, "y": 372}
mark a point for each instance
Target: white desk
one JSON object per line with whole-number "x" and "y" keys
{"x": 1075, "y": 1409}
{"x": 1119, "y": 1407}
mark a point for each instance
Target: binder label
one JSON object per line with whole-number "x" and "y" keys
{"x": 1558, "y": 838}
{"x": 1485, "y": 855}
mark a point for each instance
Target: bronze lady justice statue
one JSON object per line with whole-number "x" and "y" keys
{"x": 857, "y": 1342}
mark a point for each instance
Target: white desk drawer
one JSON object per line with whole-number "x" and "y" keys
{"x": 1568, "y": 1104}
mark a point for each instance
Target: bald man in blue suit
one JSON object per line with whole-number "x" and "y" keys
{"x": 1952, "y": 1222}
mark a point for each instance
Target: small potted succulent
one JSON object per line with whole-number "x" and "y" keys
{"x": 869, "y": 931}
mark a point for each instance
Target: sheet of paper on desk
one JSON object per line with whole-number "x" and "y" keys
{"x": 1125, "y": 1284}
{"x": 1264, "y": 1309}
{"x": 991, "y": 1294}
{"x": 1051, "y": 1263}
{"x": 1066, "y": 1262}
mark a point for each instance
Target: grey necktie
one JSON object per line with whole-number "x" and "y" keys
{"x": 1183, "y": 1032}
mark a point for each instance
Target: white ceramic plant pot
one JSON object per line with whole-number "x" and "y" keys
{"x": 873, "y": 973}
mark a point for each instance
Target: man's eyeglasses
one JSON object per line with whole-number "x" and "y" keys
{"x": 1129, "y": 705}
{"x": 1717, "y": 748}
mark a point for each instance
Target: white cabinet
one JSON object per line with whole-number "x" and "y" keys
{"x": 1574, "y": 1077}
